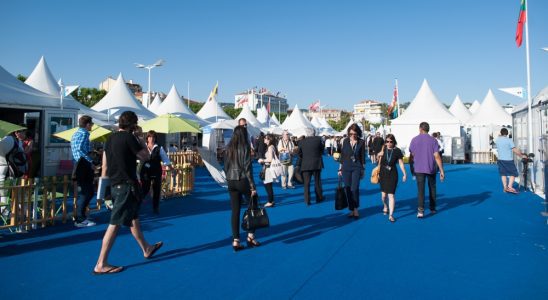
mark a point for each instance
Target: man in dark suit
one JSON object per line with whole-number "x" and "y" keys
{"x": 311, "y": 164}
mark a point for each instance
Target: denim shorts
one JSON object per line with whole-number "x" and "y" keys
{"x": 507, "y": 168}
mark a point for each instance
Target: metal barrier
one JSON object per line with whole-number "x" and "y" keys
{"x": 483, "y": 157}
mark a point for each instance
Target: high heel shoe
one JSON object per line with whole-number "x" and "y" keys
{"x": 237, "y": 246}
{"x": 252, "y": 242}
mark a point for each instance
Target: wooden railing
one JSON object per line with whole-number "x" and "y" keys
{"x": 28, "y": 203}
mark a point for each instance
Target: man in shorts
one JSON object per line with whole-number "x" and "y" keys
{"x": 505, "y": 162}
{"x": 119, "y": 164}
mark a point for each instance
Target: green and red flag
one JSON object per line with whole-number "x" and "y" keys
{"x": 521, "y": 22}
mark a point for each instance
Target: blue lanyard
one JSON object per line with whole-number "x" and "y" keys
{"x": 389, "y": 156}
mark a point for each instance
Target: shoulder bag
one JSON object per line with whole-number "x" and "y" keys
{"x": 255, "y": 217}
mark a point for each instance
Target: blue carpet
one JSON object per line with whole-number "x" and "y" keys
{"x": 482, "y": 244}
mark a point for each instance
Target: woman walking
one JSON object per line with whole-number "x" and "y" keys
{"x": 388, "y": 177}
{"x": 286, "y": 148}
{"x": 352, "y": 167}
{"x": 239, "y": 175}
{"x": 151, "y": 170}
{"x": 268, "y": 178}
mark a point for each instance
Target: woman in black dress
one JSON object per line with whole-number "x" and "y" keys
{"x": 389, "y": 174}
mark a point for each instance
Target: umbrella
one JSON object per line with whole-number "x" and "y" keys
{"x": 97, "y": 134}
{"x": 169, "y": 123}
{"x": 7, "y": 128}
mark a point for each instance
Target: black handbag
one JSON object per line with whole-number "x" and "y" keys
{"x": 262, "y": 174}
{"x": 340, "y": 197}
{"x": 255, "y": 217}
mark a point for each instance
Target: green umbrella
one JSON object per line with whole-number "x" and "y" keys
{"x": 169, "y": 123}
{"x": 97, "y": 134}
{"x": 7, "y": 128}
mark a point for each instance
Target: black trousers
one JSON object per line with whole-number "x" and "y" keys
{"x": 317, "y": 185}
{"x": 269, "y": 192}
{"x": 421, "y": 180}
{"x": 85, "y": 194}
{"x": 156, "y": 190}
{"x": 237, "y": 189}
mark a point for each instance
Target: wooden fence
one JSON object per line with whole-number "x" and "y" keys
{"x": 29, "y": 203}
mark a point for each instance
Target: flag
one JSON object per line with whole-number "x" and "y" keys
{"x": 214, "y": 92}
{"x": 314, "y": 106}
{"x": 242, "y": 100}
{"x": 268, "y": 106}
{"x": 393, "y": 107}
{"x": 521, "y": 22}
{"x": 69, "y": 89}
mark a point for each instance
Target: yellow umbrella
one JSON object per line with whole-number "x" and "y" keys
{"x": 7, "y": 128}
{"x": 97, "y": 134}
{"x": 169, "y": 123}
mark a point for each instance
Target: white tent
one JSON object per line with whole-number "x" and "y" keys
{"x": 316, "y": 123}
{"x": 297, "y": 124}
{"x": 173, "y": 104}
{"x": 155, "y": 105}
{"x": 249, "y": 117}
{"x": 212, "y": 112}
{"x": 425, "y": 108}
{"x": 16, "y": 94}
{"x": 459, "y": 110}
{"x": 119, "y": 99}
{"x": 42, "y": 79}
{"x": 262, "y": 115}
{"x": 490, "y": 113}
{"x": 345, "y": 130}
{"x": 474, "y": 107}
{"x": 274, "y": 121}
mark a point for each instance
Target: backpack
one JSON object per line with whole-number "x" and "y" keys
{"x": 17, "y": 161}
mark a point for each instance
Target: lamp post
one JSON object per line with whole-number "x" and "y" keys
{"x": 159, "y": 63}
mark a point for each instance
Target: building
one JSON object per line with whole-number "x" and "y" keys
{"x": 369, "y": 110}
{"x": 109, "y": 82}
{"x": 508, "y": 108}
{"x": 255, "y": 99}
{"x": 328, "y": 114}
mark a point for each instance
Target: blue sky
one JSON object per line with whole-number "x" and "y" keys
{"x": 340, "y": 52}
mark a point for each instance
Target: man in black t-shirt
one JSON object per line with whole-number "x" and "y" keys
{"x": 119, "y": 164}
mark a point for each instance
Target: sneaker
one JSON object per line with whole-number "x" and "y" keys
{"x": 420, "y": 215}
{"x": 85, "y": 223}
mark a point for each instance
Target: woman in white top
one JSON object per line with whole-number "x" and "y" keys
{"x": 328, "y": 146}
{"x": 286, "y": 148}
{"x": 268, "y": 179}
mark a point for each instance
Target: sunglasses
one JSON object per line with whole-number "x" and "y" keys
{"x": 390, "y": 142}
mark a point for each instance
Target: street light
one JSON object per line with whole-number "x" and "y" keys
{"x": 159, "y": 63}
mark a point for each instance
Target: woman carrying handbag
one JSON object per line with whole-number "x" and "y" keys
{"x": 239, "y": 175}
{"x": 269, "y": 177}
{"x": 388, "y": 175}
{"x": 352, "y": 167}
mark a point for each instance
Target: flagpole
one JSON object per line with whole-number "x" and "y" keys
{"x": 188, "y": 93}
{"x": 216, "y": 106}
{"x": 529, "y": 95}
{"x": 398, "y": 97}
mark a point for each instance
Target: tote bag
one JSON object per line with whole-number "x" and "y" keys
{"x": 340, "y": 197}
{"x": 276, "y": 168}
{"x": 255, "y": 217}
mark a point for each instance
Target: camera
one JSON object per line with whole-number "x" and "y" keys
{"x": 528, "y": 159}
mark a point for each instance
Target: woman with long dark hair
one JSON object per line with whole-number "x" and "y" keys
{"x": 270, "y": 153}
{"x": 388, "y": 176}
{"x": 352, "y": 167}
{"x": 151, "y": 171}
{"x": 239, "y": 175}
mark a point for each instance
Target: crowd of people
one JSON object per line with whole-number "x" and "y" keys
{"x": 289, "y": 160}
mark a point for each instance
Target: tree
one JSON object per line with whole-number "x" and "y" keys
{"x": 88, "y": 96}
{"x": 196, "y": 106}
{"x": 341, "y": 124}
{"x": 22, "y": 77}
{"x": 232, "y": 112}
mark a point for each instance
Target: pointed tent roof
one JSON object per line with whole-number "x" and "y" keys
{"x": 174, "y": 104}
{"x": 474, "y": 107}
{"x": 274, "y": 120}
{"x": 15, "y": 93}
{"x": 212, "y": 111}
{"x": 316, "y": 122}
{"x": 297, "y": 124}
{"x": 249, "y": 117}
{"x": 459, "y": 110}
{"x": 490, "y": 113}
{"x": 426, "y": 107}
{"x": 155, "y": 104}
{"x": 121, "y": 98}
{"x": 42, "y": 79}
{"x": 262, "y": 115}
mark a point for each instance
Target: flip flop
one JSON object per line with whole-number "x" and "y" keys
{"x": 511, "y": 190}
{"x": 111, "y": 270}
{"x": 155, "y": 248}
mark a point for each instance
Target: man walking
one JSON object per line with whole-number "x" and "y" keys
{"x": 83, "y": 170}
{"x": 505, "y": 162}
{"x": 121, "y": 151}
{"x": 311, "y": 164}
{"x": 425, "y": 154}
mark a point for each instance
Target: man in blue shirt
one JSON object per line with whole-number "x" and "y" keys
{"x": 505, "y": 162}
{"x": 83, "y": 169}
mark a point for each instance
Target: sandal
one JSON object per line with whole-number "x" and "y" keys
{"x": 252, "y": 242}
{"x": 111, "y": 270}
{"x": 155, "y": 248}
{"x": 236, "y": 245}
{"x": 391, "y": 219}
{"x": 511, "y": 190}
{"x": 385, "y": 211}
